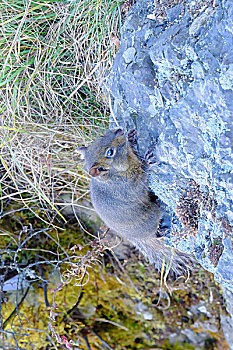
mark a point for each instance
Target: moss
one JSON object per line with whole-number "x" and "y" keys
{"x": 112, "y": 305}
{"x": 177, "y": 346}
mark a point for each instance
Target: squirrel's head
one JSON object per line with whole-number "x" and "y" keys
{"x": 109, "y": 156}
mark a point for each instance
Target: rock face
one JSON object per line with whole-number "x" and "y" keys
{"x": 172, "y": 80}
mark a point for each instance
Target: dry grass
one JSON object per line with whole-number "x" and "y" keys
{"x": 54, "y": 58}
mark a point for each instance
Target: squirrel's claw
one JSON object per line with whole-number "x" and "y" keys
{"x": 132, "y": 136}
{"x": 149, "y": 156}
{"x": 132, "y": 139}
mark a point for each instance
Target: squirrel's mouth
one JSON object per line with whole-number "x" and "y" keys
{"x": 97, "y": 170}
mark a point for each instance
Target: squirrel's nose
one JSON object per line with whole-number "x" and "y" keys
{"x": 95, "y": 171}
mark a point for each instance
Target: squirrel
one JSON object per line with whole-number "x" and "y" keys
{"x": 122, "y": 198}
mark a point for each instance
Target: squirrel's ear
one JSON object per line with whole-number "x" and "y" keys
{"x": 81, "y": 151}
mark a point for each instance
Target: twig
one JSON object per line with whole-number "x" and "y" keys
{"x": 86, "y": 340}
{"x": 16, "y": 308}
{"x": 44, "y": 286}
{"x": 101, "y": 339}
{"x": 125, "y": 273}
{"x": 114, "y": 323}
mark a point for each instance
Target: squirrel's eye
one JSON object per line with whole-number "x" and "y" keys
{"x": 110, "y": 152}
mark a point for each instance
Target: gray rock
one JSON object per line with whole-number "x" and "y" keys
{"x": 224, "y": 268}
{"x": 176, "y": 91}
{"x": 142, "y": 309}
{"x": 129, "y": 55}
{"x": 201, "y": 20}
{"x": 227, "y": 325}
{"x": 227, "y": 321}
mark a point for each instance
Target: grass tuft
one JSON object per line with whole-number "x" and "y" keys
{"x": 54, "y": 59}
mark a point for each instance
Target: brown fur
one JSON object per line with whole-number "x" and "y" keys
{"x": 120, "y": 195}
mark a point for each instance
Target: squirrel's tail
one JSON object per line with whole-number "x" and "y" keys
{"x": 158, "y": 254}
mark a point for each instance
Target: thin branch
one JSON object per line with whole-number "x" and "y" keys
{"x": 16, "y": 308}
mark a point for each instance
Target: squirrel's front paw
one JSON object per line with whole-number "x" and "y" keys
{"x": 149, "y": 156}
{"x": 132, "y": 136}
{"x": 132, "y": 139}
